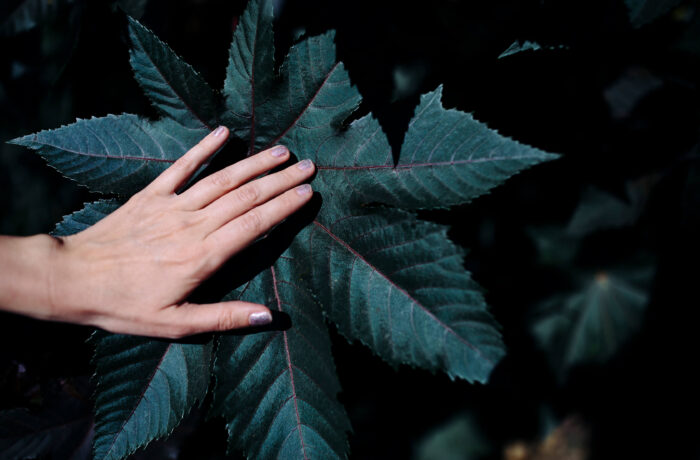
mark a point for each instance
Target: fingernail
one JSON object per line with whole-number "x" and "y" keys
{"x": 260, "y": 318}
{"x": 305, "y": 165}
{"x": 278, "y": 151}
{"x": 219, "y": 131}
{"x": 304, "y": 189}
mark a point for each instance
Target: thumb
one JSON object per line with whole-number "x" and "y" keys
{"x": 222, "y": 316}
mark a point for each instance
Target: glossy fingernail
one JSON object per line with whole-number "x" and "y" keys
{"x": 303, "y": 189}
{"x": 278, "y": 151}
{"x": 260, "y": 318}
{"x": 219, "y": 131}
{"x": 305, "y": 165}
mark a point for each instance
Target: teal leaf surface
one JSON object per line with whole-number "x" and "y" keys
{"x": 30, "y": 13}
{"x": 277, "y": 389}
{"x": 447, "y": 158}
{"x": 308, "y": 103}
{"x": 114, "y": 154}
{"x": 172, "y": 85}
{"x": 86, "y": 217}
{"x": 399, "y": 286}
{"x": 645, "y": 11}
{"x": 144, "y": 389}
{"x": 590, "y": 325}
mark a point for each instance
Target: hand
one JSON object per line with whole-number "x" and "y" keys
{"x": 132, "y": 271}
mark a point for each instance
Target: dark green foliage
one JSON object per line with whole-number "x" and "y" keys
{"x": 384, "y": 277}
{"x": 590, "y": 324}
{"x": 645, "y": 11}
{"x": 61, "y": 429}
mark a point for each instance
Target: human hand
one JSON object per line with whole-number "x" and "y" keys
{"x": 132, "y": 271}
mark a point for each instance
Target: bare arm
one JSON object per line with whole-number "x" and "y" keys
{"x": 132, "y": 271}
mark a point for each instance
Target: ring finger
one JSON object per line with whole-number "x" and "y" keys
{"x": 255, "y": 193}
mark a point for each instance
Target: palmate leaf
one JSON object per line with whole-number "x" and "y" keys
{"x": 398, "y": 285}
{"x": 144, "y": 386}
{"x": 277, "y": 390}
{"x": 385, "y": 278}
{"x": 590, "y": 325}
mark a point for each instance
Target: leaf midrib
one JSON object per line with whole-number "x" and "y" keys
{"x": 423, "y": 165}
{"x": 403, "y": 291}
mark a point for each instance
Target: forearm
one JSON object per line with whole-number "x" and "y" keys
{"x": 26, "y": 277}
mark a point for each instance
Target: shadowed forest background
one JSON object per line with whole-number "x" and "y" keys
{"x": 620, "y": 103}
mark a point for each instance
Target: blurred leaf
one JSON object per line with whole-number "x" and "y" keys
{"x": 599, "y": 210}
{"x": 458, "y": 439}
{"x": 645, "y": 11}
{"x": 627, "y": 91}
{"x": 30, "y": 13}
{"x": 518, "y": 47}
{"x": 554, "y": 246}
{"x": 61, "y": 430}
{"x": 590, "y": 325}
{"x": 134, "y": 8}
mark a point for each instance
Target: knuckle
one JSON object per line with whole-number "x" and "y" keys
{"x": 252, "y": 222}
{"x": 228, "y": 319}
{"x": 182, "y": 164}
{"x": 248, "y": 194}
{"x": 222, "y": 179}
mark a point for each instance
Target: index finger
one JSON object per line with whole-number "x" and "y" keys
{"x": 179, "y": 172}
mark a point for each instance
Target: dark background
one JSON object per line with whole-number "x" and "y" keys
{"x": 643, "y": 403}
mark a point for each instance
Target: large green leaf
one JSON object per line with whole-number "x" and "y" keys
{"x": 118, "y": 154}
{"x": 277, "y": 389}
{"x": 398, "y": 285}
{"x": 385, "y": 278}
{"x": 590, "y": 325}
{"x": 645, "y": 11}
{"x": 174, "y": 87}
{"x": 447, "y": 158}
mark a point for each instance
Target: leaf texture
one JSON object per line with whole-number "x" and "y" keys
{"x": 114, "y": 154}
{"x": 403, "y": 292}
{"x": 277, "y": 389}
{"x": 144, "y": 389}
{"x": 86, "y": 217}
{"x": 172, "y": 85}
{"x": 447, "y": 158}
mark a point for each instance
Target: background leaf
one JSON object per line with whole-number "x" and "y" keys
{"x": 590, "y": 325}
{"x": 645, "y": 11}
{"x": 30, "y": 13}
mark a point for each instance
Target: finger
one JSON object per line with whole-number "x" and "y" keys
{"x": 179, "y": 172}
{"x": 212, "y": 187}
{"x": 242, "y": 231}
{"x": 254, "y": 193}
{"x": 191, "y": 318}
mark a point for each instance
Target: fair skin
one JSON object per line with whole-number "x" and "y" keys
{"x": 133, "y": 271}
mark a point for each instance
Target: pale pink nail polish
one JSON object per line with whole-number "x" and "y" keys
{"x": 305, "y": 165}
{"x": 260, "y": 318}
{"x": 278, "y": 151}
{"x": 303, "y": 189}
{"x": 219, "y": 131}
